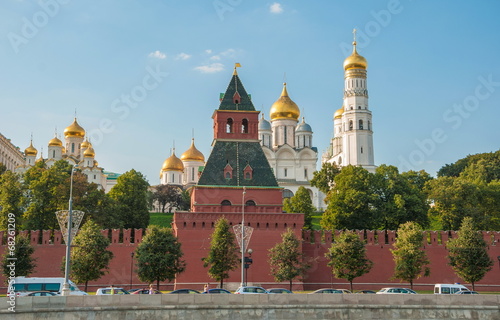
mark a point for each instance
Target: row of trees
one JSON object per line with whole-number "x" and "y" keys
{"x": 159, "y": 255}
{"x": 35, "y": 197}
{"x": 358, "y": 199}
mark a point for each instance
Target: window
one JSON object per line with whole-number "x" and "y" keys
{"x": 244, "y": 126}
{"x": 361, "y": 149}
{"x": 228, "y": 175}
{"x": 360, "y": 124}
{"x": 369, "y": 125}
{"x": 285, "y": 172}
{"x": 250, "y": 203}
{"x": 53, "y": 153}
{"x": 225, "y": 203}
{"x": 72, "y": 147}
{"x": 350, "y": 125}
{"x": 248, "y": 176}
{"x": 305, "y": 173}
{"x": 173, "y": 178}
{"x": 229, "y": 126}
{"x": 284, "y": 135}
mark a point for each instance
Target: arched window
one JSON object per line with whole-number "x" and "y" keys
{"x": 350, "y": 125}
{"x": 225, "y": 203}
{"x": 248, "y": 176}
{"x": 250, "y": 203}
{"x": 369, "y": 125}
{"x": 244, "y": 126}
{"x": 360, "y": 124}
{"x": 72, "y": 148}
{"x": 229, "y": 126}
{"x": 287, "y": 193}
{"x": 228, "y": 175}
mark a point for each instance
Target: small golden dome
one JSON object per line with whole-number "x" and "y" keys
{"x": 172, "y": 164}
{"x": 30, "y": 151}
{"x": 89, "y": 153}
{"x": 86, "y": 144}
{"x": 74, "y": 130}
{"x": 284, "y": 107}
{"x": 338, "y": 114}
{"x": 55, "y": 142}
{"x": 355, "y": 61}
{"x": 192, "y": 154}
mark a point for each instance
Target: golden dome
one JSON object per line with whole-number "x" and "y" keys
{"x": 55, "y": 142}
{"x": 74, "y": 130}
{"x": 172, "y": 164}
{"x": 192, "y": 154}
{"x": 355, "y": 61}
{"x": 284, "y": 107}
{"x": 89, "y": 153}
{"x": 86, "y": 144}
{"x": 30, "y": 151}
{"x": 338, "y": 114}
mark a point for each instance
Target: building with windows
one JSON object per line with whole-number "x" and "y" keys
{"x": 10, "y": 155}
{"x": 287, "y": 144}
{"x": 352, "y": 142}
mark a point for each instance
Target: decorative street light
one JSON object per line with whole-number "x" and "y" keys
{"x": 66, "y": 289}
{"x": 131, "y": 267}
{"x": 243, "y": 238}
{"x": 248, "y": 262}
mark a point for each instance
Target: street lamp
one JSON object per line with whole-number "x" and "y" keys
{"x": 131, "y": 267}
{"x": 66, "y": 289}
{"x": 243, "y": 238}
{"x": 248, "y": 262}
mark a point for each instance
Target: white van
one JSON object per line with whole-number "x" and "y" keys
{"x": 24, "y": 285}
{"x": 443, "y": 288}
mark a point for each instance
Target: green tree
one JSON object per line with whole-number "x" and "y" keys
{"x": 301, "y": 203}
{"x": 410, "y": 259}
{"x": 400, "y": 197}
{"x": 223, "y": 254}
{"x": 89, "y": 257}
{"x": 347, "y": 257}
{"x": 131, "y": 196}
{"x": 286, "y": 259}
{"x": 468, "y": 254}
{"x": 159, "y": 256}
{"x": 352, "y": 201}
{"x": 23, "y": 251}
{"x": 167, "y": 195}
{"x": 3, "y": 168}
{"x": 11, "y": 193}
{"x": 324, "y": 178}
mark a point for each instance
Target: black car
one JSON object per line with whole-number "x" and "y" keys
{"x": 217, "y": 290}
{"x": 185, "y": 291}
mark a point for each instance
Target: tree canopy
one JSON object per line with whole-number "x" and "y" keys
{"x": 223, "y": 254}
{"x": 23, "y": 251}
{"x": 301, "y": 203}
{"x": 409, "y": 257}
{"x": 347, "y": 257}
{"x": 468, "y": 253}
{"x": 323, "y": 179}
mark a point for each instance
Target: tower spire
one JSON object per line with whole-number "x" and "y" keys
{"x": 236, "y": 65}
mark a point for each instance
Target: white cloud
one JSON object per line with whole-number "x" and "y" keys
{"x": 211, "y": 68}
{"x": 183, "y": 56}
{"x": 216, "y": 57}
{"x": 229, "y": 53}
{"x": 208, "y": 51}
{"x": 276, "y": 8}
{"x": 158, "y": 55}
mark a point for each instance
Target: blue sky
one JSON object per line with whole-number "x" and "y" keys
{"x": 145, "y": 75}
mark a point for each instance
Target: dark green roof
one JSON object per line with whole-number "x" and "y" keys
{"x": 227, "y": 103}
{"x": 238, "y": 155}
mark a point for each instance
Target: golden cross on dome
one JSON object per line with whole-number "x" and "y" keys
{"x": 354, "y": 32}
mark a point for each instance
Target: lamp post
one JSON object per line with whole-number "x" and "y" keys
{"x": 248, "y": 262}
{"x": 66, "y": 289}
{"x": 131, "y": 267}
{"x": 243, "y": 238}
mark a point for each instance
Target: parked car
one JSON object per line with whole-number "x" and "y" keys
{"x": 345, "y": 290}
{"x": 396, "y": 291}
{"x": 278, "y": 290}
{"x": 365, "y": 291}
{"x": 110, "y": 290}
{"x": 448, "y": 288}
{"x": 134, "y": 290}
{"x": 466, "y": 292}
{"x": 25, "y": 285}
{"x": 327, "y": 290}
{"x": 41, "y": 294}
{"x": 144, "y": 291}
{"x": 185, "y": 291}
{"x": 217, "y": 290}
{"x": 250, "y": 290}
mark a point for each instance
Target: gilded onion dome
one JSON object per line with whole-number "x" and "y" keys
{"x": 173, "y": 163}
{"x": 86, "y": 144}
{"x": 30, "y": 151}
{"x": 338, "y": 114}
{"x": 192, "y": 154}
{"x": 89, "y": 153}
{"x": 284, "y": 107}
{"x": 355, "y": 61}
{"x": 74, "y": 130}
{"x": 55, "y": 142}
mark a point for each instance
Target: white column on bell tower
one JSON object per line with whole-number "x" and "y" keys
{"x": 357, "y": 117}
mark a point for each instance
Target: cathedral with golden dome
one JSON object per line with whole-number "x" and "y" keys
{"x": 352, "y": 142}
{"x": 287, "y": 145}
{"x": 184, "y": 171}
{"x": 76, "y": 150}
